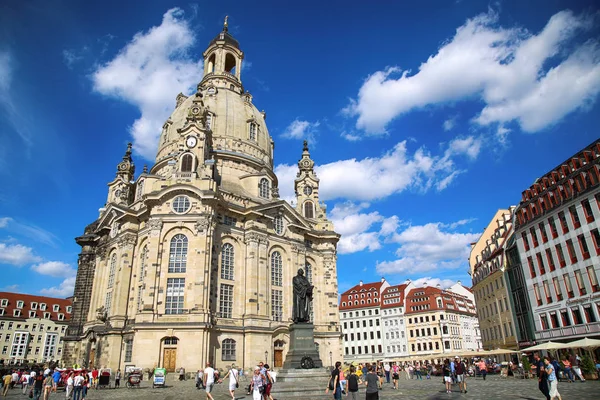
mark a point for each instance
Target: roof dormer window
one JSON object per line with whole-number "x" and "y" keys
{"x": 2, "y": 311}
{"x": 69, "y": 308}
{"x": 20, "y": 303}
{"x": 34, "y": 305}
{"x": 55, "y": 307}
{"x": 32, "y": 314}
{"x": 47, "y": 315}
{"x": 16, "y": 313}
{"x": 43, "y": 306}
{"x": 4, "y": 302}
{"x": 61, "y": 317}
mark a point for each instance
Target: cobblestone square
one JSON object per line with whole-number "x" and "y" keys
{"x": 493, "y": 388}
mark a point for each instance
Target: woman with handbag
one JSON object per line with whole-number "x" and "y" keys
{"x": 233, "y": 380}
{"x": 257, "y": 386}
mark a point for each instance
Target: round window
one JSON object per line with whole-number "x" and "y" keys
{"x": 181, "y": 204}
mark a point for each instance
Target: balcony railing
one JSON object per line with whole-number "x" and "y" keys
{"x": 569, "y": 331}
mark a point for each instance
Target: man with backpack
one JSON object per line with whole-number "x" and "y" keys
{"x": 353, "y": 381}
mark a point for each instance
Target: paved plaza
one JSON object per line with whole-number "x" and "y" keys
{"x": 493, "y": 388}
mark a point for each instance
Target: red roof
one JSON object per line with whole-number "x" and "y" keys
{"x": 12, "y": 300}
{"x": 425, "y": 300}
{"x": 394, "y": 293}
{"x": 361, "y": 296}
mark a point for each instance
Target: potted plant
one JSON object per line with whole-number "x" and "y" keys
{"x": 588, "y": 368}
{"x": 526, "y": 366}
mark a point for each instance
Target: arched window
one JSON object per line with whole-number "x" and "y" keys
{"x": 227, "y": 257}
{"x": 252, "y": 131}
{"x": 276, "y": 269}
{"x": 143, "y": 258}
{"x": 187, "y": 162}
{"x": 209, "y": 120}
{"x": 228, "y": 350}
{"x": 308, "y": 272}
{"x": 211, "y": 64}
{"x": 140, "y": 190}
{"x": 309, "y": 211}
{"x": 178, "y": 253}
{"x": 112, "y": 270}
{"x": 230, "y": 63}
{"x": 278, "y": 224}
{"x": 263, "y": 188}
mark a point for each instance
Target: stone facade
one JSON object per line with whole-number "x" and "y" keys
{"x": 192, "y": 261}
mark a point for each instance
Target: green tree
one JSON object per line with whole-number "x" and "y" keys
{"x": 587, "y": 365}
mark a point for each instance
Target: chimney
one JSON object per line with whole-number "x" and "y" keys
{"x": 382, "y": 279}
{"x": 360, "y": 283}
{"x": 459, "y": 282}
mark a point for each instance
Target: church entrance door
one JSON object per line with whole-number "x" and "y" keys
{"x": 278, "y": 358}
{"x": 169, "y": 359}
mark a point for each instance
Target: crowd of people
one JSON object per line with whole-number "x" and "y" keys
{"x": 260, "y": 385}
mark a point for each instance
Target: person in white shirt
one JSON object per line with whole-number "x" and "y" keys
{"x": 25, "y": 381}
{"x": 233, "y": 380}
{"x": 47, "y": 372}
{"x": 14, "y": 378}
{"x": 69, "y": 387}
{"x": 209, "y": 380}
{"x": 77, "y": 386}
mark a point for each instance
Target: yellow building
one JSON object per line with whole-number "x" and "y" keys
{"x": 192, "y": 261}
{"x": 492, "y": 296}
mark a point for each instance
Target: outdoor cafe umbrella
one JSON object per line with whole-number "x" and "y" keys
{"x": 585, "y": 343}
{"x": 544, "y": 346}
{"x": 499, "y": 351}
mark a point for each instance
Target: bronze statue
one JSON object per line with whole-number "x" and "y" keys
{"x": 303, "y": 293}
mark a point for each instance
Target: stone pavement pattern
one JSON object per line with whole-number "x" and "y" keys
{"x": 493, "y": 388}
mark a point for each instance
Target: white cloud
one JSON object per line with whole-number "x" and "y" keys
{"x": 10, "y": 288}
{"x": 17, "y": 254}
{"x": 300, "y": 129}
{"x": 449, "y": 124}
{"x": 148, "y": 73}
{"x": 353, "y": 226}
{"x": 429, "y": 247}
{"x": 378, "y": 177}
{"x": 469, "y": 146}
{"x": 506, "y": 67}
{"x": 358, "y": 242}
{"x": 28, "y": 230}
{"x": 351, "y": 136}
{"x": 65, "y": 289}
{"x": 429, "y": 281}
{"x": 70, "y": 57}
{"x": 54, "y": 268}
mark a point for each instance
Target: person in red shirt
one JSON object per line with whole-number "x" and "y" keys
{"x": 95, "y": 377}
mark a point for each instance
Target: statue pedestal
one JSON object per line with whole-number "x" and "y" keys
{"x": 302, "y": 344}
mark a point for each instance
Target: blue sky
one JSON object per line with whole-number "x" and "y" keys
{"x": 424, "y": 118}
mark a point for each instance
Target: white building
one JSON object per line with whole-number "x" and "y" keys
{"x": 395, "y": 342}
{"x": 557, "y": 235}
{"x": 361, "y": 322}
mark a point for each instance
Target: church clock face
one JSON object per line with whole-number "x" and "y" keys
{"x": 307, "y": 190}
{"x": 191, "y": 142}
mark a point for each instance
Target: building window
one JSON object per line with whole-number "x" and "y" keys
{"x": 107, "y": 303}
{"x": 571, "y": 250}
{"x": 139, "y": 298}
{"x": 111, "y": 271}
{"x": 32, "y": 314}
{"x": 590, "y": 317}
{"x": 33, "y": 305}
{"x": 309, "y": 211}
{"x": 554, "y": 320}
{"x": 557, "y": 289}
{"x": 543, "y": 232}
{"x": 580, "y": 283}
{"x": 563, "y": 222}
{"x": 550, "y": 260}
{"x": 593, "y": 278}
{"x": 187, "y": 162}
{"x": 534, "y": 236}
{"x": 561, "y": 256}
{"x": 143, "y": 258}
{"x": 587, "y": 209}
{"x": 229, "y": 221}
{"x": 577, "y": 318}
{"x": 574, "y": 217}
{"x": 552, "y": 226}
{"x": 140, "y": 190}
{"x": 227, "y": 262}
{"x": 276, "y": 305}
{"x": 128, "y": 350}
{"x": 263, "y": 188}
{"x": 596, "y": 239}
{"x": 209, "y": 121}
{"x": 181, "y": 204}
{"x": 228, "y": 350}
{"x": 568, "y": 286}
{"x": 226, "y": 301}
{"x": 175, "y": 293}
{"x": 531, "y": 272}
{"x": 276, "y": 269}
{"x": 252, "y": 131}
{"x": 547, "y": 292}
{"x": 540, "y": 263}
{"x": 536, "y": 291}
{"x": 19, "y": 344}
{"x": 585, "y": 252}
{"x": 525, "y": 241}
{"x": 278, "y": 224}
{"x": 564, "y": 316}
{"x": 178, "y": 253}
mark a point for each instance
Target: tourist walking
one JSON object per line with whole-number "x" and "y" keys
{"x": 353, "y": 382}
{"x": 447, "y": 373}
{"x": 568, "y": 370}
{"x": 387, "y": 368}
{"x": 461, "y": 375}
{"x": 552, "y": 379}
{"x": 6, "y": 379}
{"x": 342, "y": 380}
{"x": 77, "y": 386}
{"x": 25, "y": 382}
{"x": 86, "y": 386}
{"x": 334, "y": 382}
{"x": 541, "y": 373}
{"x": 69, "y": 386}
{"x": 395, "y": 375}
{"x": 418, "y": 374}
{"x": 38, "y": 386}
{"x": 209, "y": 380}
{"x": 118, "y": 379}
{"x": 56, "y": 379}
{"x": 48, "y": 381}
{"x": 256, "y": 386}
{"x": 269, "y": 382}
{"x": 372, "y": 382}
{"x": 233, "y": 380}
{"x": 482, "y": 366}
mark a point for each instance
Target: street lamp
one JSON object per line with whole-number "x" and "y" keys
{"x": 331, "y": 359}
{"x": 266, "y": 357}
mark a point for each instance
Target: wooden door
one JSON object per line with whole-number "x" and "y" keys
{"x": 169, "y": 359}
{"x": 92, "y": 358}
{"x": 278, "y": 358}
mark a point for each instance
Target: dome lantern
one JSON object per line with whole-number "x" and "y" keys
{"x": 223, "y": 61}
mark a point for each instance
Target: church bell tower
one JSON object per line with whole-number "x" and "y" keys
{"x": 306, "y": 187}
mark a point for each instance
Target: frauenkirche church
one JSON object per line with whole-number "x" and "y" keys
{"x": 192, "y": 261}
